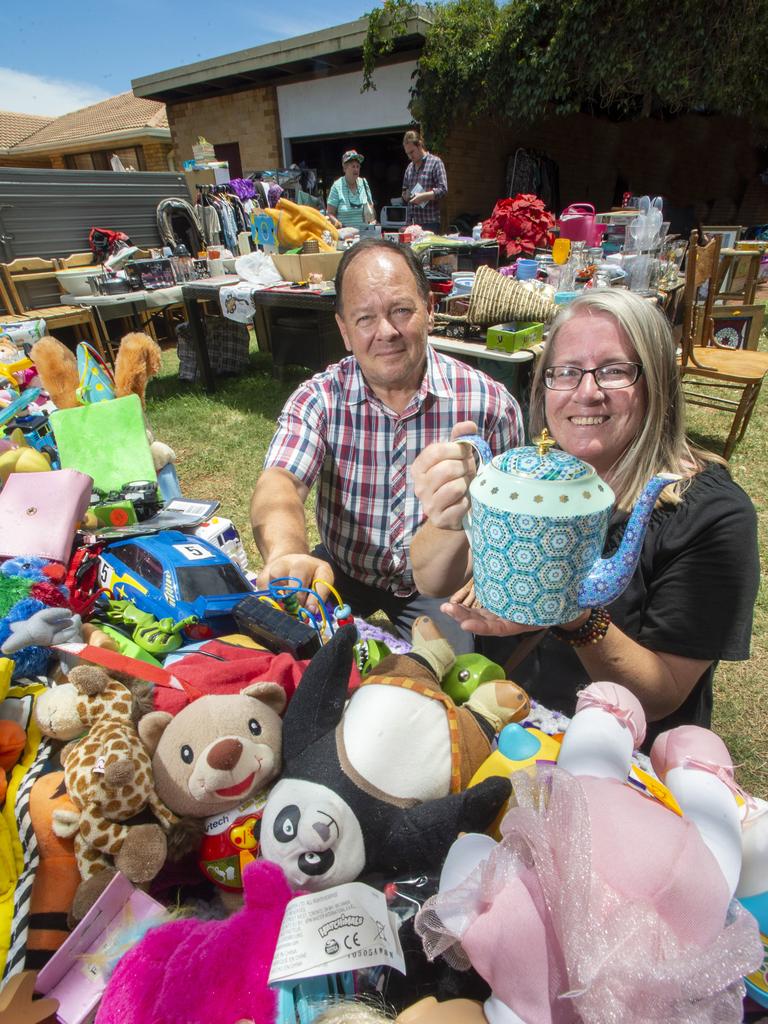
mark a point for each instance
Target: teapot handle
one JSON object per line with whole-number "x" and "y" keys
{"x": 485, "y": 454}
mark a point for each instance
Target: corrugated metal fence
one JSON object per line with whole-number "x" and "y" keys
{"x": 49, "y": 213}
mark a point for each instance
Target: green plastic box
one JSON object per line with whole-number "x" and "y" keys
{"x": 515, "y": 335}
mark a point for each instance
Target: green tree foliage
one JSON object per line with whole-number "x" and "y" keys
{"x": 528, "y": 58}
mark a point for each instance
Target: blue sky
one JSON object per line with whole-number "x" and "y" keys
{"x": 57, "y": 57}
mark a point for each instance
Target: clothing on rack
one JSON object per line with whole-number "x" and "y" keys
{"x": 243, "y": 188}
{"x": 222, "y": 202}
{"x": 529, "y": 171}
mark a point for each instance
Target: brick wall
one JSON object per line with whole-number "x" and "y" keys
{"x": 156, "y": 154}
{"x": 249, "y": 118}
{"x": 22, "y": 161}
{"x": 708, "y": 163}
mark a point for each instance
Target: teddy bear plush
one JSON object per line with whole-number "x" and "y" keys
{"x": 214, "y": 760}
{"x": 379, "y": 783}
{"x": 108, "y": 776}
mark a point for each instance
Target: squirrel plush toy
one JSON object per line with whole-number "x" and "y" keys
{"x": 137, "y": 362}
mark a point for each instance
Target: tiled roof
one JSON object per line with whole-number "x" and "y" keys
{"x": 117, "y": 114}
{"x": 16, "y": 127}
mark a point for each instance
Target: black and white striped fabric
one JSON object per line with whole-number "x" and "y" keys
{"x": 22, "y": 896}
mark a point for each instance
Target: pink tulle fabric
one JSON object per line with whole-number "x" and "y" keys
{"x": 605, "y": 960}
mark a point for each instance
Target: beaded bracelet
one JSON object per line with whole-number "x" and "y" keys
{"x": 592, "y": 632}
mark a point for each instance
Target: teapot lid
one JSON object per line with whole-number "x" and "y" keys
{"x": 538, "y": 462}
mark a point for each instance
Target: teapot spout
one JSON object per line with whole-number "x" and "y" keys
{"x": 609, "y": 576}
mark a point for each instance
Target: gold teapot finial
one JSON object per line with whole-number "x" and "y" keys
{"x": 544, "y": 442}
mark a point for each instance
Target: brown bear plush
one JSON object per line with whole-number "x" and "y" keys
{"x": 214, "y": 760}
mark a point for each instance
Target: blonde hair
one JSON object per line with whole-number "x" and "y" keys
{"x": 661, "y": 445}
{"x": 353, "y": 1012}
{"x": 415, "y": 137}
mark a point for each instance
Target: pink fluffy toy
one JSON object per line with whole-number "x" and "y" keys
{"x": 204, "y": 972}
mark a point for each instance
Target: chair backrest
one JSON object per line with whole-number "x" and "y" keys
{"x": 737, "y": 276}
{"x": 31, "y": 283}
{"x": 700, "y": 268}
{"x": 77, "y": 259}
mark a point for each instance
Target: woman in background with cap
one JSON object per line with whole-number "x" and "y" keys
{"x": 350, "y": 193}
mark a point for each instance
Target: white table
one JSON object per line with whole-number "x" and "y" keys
{"x": 127, "y": 304}
{"x": 477, "y": 350}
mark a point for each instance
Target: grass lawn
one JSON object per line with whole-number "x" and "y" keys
{"x": 220, "y": 442}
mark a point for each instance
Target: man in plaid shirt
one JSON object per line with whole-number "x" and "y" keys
{"x": 356, "y": 428}
{"x": 424, "y": 183}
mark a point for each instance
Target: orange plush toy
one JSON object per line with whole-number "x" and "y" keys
{"x": 137, "y": 362}
{"x": 12, "y": 742}
{"x": 57, "y": 369}
{"x": 56, "y": 878}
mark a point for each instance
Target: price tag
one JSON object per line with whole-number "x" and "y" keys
{"x": 336, "y": 930}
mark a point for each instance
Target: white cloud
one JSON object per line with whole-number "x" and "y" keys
{"x": 34, "y": 94}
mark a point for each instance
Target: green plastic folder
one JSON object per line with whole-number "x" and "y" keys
{"x": 106, "y": 440}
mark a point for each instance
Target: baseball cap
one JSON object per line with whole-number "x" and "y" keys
{"x": 352, "y": 154}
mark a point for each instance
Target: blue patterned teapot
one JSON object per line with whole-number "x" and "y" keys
{"x": 537, "y": 527}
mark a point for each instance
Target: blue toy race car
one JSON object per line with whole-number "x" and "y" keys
{"x": 174, "y": 575}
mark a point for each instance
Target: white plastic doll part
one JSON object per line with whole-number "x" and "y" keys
{"x": 609, "y": 723}
{"x": 710, "y": 805}
{"x": 464, "y": 856}
{"x": 754, "y": 841}
{"x": 497, "y": 1012}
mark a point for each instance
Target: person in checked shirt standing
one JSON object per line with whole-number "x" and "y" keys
{"x": 424, "y": 183}
{"x": 356, "y": 429}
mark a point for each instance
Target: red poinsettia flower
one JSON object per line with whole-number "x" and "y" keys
{"x": 519, "y": 224}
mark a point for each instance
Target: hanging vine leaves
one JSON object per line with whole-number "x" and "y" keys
{"x": 385, "y": 24}
{"x": 526, "y": 59}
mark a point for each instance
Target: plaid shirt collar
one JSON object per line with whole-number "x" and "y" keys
{"x": 435, "y": 382}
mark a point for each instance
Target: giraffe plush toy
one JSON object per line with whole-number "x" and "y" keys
{"x": 108, "y": 775}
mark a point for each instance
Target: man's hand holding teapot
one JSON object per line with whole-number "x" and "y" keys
{"x": 442, "y": 474}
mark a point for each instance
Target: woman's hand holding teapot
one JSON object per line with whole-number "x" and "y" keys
{"x": 442, "y": 474}
{"x": 464, "y": 609}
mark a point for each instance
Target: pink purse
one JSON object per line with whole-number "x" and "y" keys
{"x": 40, "y": 512}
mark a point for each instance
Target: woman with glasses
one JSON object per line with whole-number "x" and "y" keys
{"x": 607, "y": 389}
{"x": 350, "y": 194}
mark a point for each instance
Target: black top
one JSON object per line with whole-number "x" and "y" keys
{"x": 692, "y": 594}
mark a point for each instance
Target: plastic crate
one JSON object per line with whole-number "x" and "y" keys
{"x": 513, "y": 336}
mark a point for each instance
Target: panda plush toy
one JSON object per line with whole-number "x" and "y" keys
{"x": 378, "y": 784}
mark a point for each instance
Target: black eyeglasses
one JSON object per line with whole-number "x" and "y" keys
{"x": 608, "y": 377}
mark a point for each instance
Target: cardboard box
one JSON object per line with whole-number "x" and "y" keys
{"x": 206, "y": 176}
{"x": 75, "y": 973}
{"x": 513, "y": 336}
{"x": 297, "y": 266}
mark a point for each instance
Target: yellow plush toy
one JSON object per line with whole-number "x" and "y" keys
{"x": 295, "y": 224}
{"x": 22, "y": 458}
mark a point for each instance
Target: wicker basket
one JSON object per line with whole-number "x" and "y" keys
{"x": 495, "y": 299}
{"x": 310, "y": 247}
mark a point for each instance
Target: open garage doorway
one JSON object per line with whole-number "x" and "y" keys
{"x": 383, "y": 167}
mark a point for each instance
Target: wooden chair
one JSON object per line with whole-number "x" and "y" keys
{"x": 719, "y": 371}
{"x": 76, "y": 260}
{"x": 737, "y": 276}
{"x": 6, "y": 309}
{"x": 31, "y": 282}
